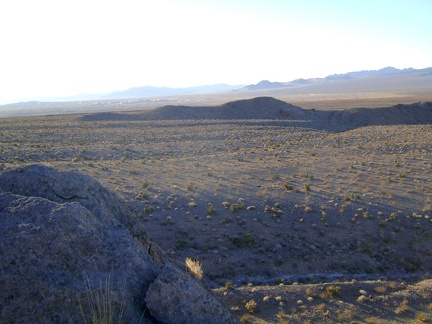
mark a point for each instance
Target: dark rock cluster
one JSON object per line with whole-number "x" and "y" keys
{"x": 71, "y": 250}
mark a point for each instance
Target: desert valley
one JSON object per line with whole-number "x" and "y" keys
{"x": 301, "y": 204}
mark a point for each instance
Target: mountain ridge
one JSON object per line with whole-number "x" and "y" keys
{"x": 388, "y": 80}
{"x": 151, "y": 91}
{"x": 387, "y": 71}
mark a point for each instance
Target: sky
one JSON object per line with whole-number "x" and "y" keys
{"x": 55, "y": 48}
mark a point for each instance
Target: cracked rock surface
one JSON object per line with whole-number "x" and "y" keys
{"x": 67, "y": 245}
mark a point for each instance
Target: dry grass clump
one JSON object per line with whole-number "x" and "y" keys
{"x": 281, "y": 314}
{"x": 194, "y": 267}
{"x": 229, "y": 285}
{"x": 245, "y": 318}
{"x": 100, "y": 306}
{"x": 392, "y": 284}
{"x": 372, "y": 320}
{"x": 380, "y": 289}
{"x": 331, "y": 291}
{"x": 403, "y": 307}
{"x": 321, "y": 307}
{"x": 362, "y": 299}
{"x": 422, "y": 317}
{"x": 346, "y": 315}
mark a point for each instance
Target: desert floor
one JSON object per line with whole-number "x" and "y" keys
{"x": 312, "y": 225}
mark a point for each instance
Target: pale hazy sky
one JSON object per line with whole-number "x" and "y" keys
{"x": 58, "y": 48}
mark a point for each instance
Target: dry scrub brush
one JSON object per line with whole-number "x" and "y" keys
{"x": 194, "y": 267}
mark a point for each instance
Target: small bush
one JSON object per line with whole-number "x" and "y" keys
{"x": 366, "y": 248}
{"x": 251, "y": 306}
{"x": 288, "y": 187}
{"x": 211, "y": 209}
{"x": 249, "y": 239}
{"x": 225, "y": 204}
{"x": 333, "y": 291}
{"x": 142, "y": 196}
{"x": 309, "y": 292}
{"x": 148, "y": 209}
{"x": 234, "y": 208}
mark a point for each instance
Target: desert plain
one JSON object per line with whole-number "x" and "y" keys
{"x": 293, "y": 219}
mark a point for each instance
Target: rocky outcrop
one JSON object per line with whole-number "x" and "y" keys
{"x": 52, "y": 255}
{"x": 69, "y": 246}
{"x": 61, "y": 187}
{"x": 193, "y": 305}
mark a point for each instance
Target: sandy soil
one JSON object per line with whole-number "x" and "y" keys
{"x": 272, "y": 208}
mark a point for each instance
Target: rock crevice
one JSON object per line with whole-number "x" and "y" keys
{"x": 65, "y": 239}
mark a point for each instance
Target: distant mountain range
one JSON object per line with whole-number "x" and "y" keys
{"x": 386, "y": 79}
{"x": 387, "y": 71}
{"x": 149, "y": 91}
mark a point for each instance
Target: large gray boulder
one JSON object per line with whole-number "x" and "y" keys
{"x": 194, "y": 305}
{"x": 52, "y": 255}
{"x": 71, "y": 186}
{"x": 69, "y": 246}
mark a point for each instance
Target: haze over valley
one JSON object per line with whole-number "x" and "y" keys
{"x": 357, "y": 89}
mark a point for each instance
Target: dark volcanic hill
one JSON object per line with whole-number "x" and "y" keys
{"x": 270, "y": 108}
{"x": 416, "y": 113}
{"x": 256, "y": 108}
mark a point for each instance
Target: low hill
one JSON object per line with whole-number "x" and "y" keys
{"x": 416, "y": 113}
{"x": 271, "y": 108}
{"x": 255, "y": 108}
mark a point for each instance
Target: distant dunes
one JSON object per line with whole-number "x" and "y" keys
{"x": 271, "y": 108}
